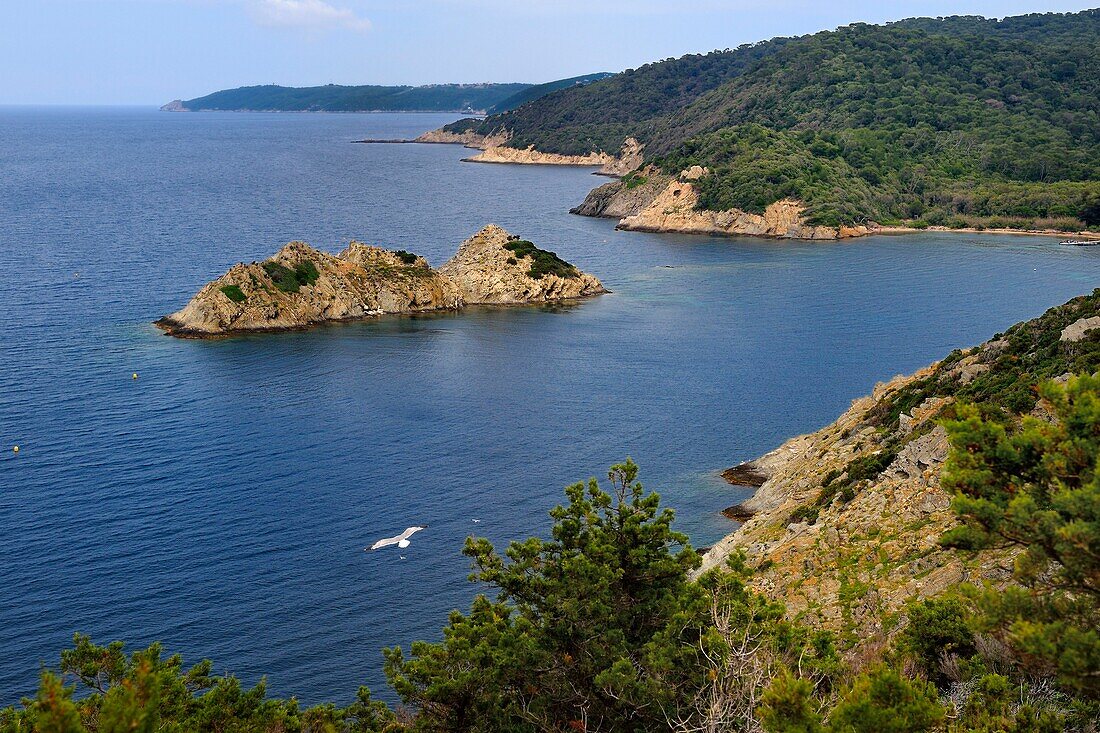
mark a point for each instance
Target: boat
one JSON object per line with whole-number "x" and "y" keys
{"x": 1081, "y": 242}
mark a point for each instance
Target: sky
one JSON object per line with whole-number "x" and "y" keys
{"x": 148, "y": 52}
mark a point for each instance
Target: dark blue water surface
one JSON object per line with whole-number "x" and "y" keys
{"x": 221, "y": 502}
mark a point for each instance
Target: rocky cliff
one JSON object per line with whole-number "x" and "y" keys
{"x": 845, "y": 527}
{"x": 301, "y": 286}
{"x": 495, "y": 267}
{"x": 648, "y": 201}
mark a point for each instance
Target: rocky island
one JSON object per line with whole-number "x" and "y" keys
{"x": 301, "y": 286}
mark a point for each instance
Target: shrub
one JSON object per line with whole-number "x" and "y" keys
{"x": 234, "y": 293}
{"x": 289, "y": 281}
{"x": 542, "y": 261}
{"x": 937, "y": 626}
{"x": 884, "y": 701}
{"x": 407, "y": 257}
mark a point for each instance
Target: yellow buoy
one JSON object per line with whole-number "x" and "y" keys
{"x": 135, "y": 375}
{"x": 15, "y": 449}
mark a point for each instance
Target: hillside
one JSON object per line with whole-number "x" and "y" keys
{"x": 956, "y": 121}
{"x": 367, "y": 98}
{"x": 538, "y": 91}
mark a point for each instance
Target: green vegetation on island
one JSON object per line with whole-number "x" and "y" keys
{"x": 289, "y": 280}
{"x": 958, "y": 121}
{"x": 543, "y": 262}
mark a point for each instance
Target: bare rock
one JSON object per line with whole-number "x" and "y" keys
{"x": 1079, "y": 329}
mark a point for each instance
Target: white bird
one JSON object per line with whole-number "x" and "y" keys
{"x": 476, "y": 521}
{"x": 401, "y": 540}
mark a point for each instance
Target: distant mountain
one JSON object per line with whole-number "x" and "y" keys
{"x": 541, "y": 90}
{"x": 470, "y": 98}
{"x": 959, "y": 121}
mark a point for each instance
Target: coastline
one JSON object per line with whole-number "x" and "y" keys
{"x": 1094, "y": 236}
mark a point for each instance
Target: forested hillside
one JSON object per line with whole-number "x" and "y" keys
{"x": 951, "y": 121}
{"x": 538, "y": 91}
{"x": 338, "y": 98}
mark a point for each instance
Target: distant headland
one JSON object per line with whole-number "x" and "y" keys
{"x": 486, "y": 98}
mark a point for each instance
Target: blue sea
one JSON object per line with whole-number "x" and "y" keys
{"x": 221, "y": 501}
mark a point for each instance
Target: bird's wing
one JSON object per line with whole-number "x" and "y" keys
{"x": 409, "y": 533}
{"x": 385, "y": 543}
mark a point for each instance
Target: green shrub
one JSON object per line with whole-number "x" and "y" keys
{"x": 884, "y": 701}
{"x": 407, "y": 257}
{"x": 543, "y": 262}
{"x": 305, "y": 272}
{"x": 937, "y": 626}
{"x": 234, "y": 293}
{"x": 289, "y": 281}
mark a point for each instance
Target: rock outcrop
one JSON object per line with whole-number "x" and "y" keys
{"x": 495, "y": 149}
{"x": 620, "y": 199}
{"x": 485, "y": 270}
{"x": 630, "y": 157}
{"x": 470, "y": 139}
{"x": 649, "y": 201}
{"x": 301, "y": 286}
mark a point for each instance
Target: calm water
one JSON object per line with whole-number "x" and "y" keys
{"x": 221, "y": 502}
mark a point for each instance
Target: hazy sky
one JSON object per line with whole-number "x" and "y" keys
{"x": 152, "y": 51}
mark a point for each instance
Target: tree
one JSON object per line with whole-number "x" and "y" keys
{"x": 1034, "y": 488}
{"x": 596, "y": 627}
{"x": 884, "y": 701}
{"x": 147, "y": 692}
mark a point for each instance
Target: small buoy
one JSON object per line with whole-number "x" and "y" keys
{"x": 15, "y": 449}
{"x": 135, "y": 375}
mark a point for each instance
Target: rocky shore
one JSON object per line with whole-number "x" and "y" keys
{"x": 851, "y": 563}
{"x": 844, "y": 528}
{"x": 649, "y": 201}
{"x": 301, "y": 286}
{"x": 494, "y": 149}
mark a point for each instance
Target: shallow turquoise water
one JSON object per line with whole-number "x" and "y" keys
{"x": 221, "y": 502}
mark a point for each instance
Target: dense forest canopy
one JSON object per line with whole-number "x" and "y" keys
{"x": 954, "y": 120}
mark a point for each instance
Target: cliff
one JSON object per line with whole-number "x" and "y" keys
{"x": 845, "y": 527}
{"x": 649, "y": 201}
{"x": 302, "y": 286}
{"x": 495, "y": 267}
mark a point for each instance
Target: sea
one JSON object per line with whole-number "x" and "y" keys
{"x": 220, "y": 502}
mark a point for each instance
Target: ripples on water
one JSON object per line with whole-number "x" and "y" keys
{"x": 221, "y": 502}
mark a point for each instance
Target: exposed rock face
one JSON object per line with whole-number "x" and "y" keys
{"x": 630, "y": 158}
{"x": 850, "y": 563}
{"x": 675, "y": 209}
{"x": 663, "y": 203}
{"x": 301, "y": 286}
{"x": 620, "y": 199}
{"x": 176, "y": 105}
{"x": 469, "y": 139}
{"x": 1079, "y": 329}
{"x": 495, "y": 150}
{"x": 530, "y": 156}
{"x": 485, "y": 271}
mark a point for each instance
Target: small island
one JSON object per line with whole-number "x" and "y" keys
{"x": 301, "y": 286}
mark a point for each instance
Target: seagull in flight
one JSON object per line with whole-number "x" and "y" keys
{"x": 401, "y": 540}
